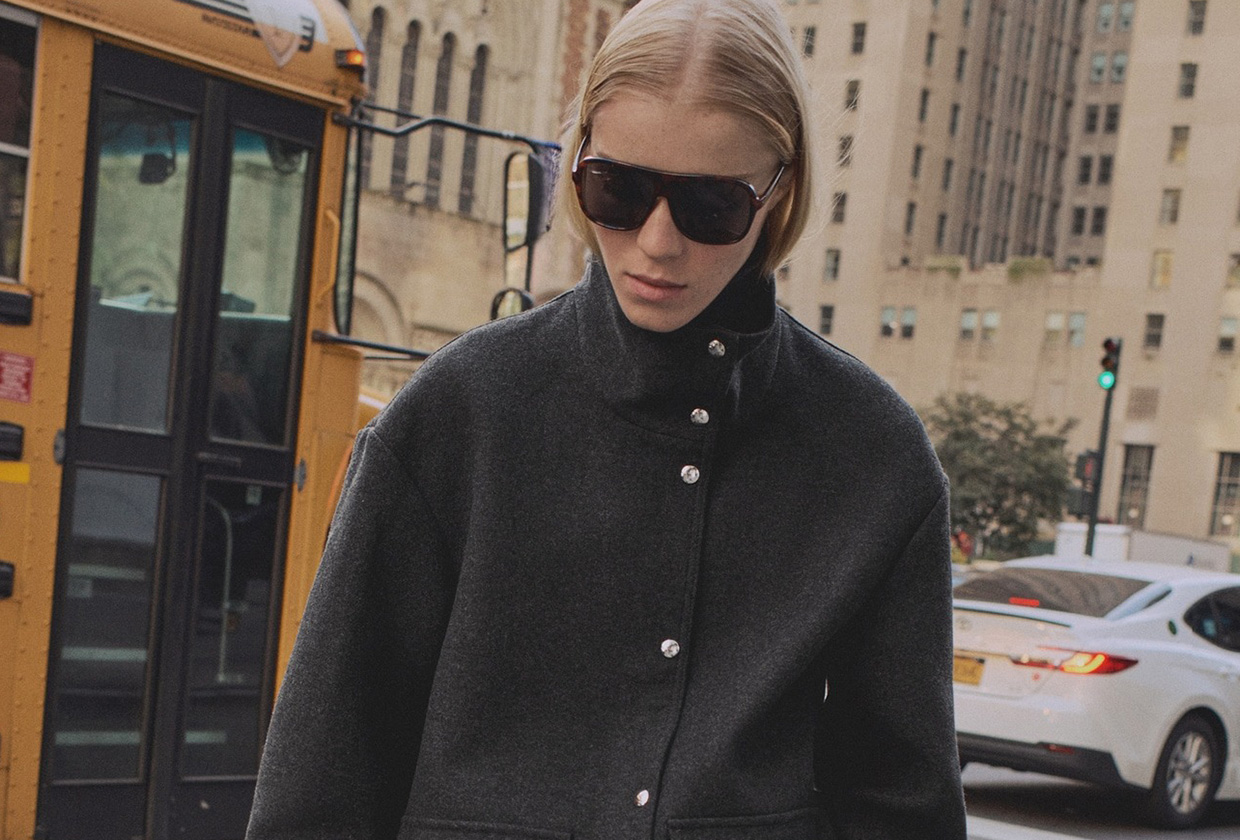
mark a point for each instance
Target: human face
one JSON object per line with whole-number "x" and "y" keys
{"x": 663, "y": 279}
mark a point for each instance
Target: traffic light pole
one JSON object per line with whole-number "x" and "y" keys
{"x": 1107, "y": 379}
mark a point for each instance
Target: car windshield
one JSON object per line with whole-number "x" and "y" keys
{"x": 1081, "y": 593}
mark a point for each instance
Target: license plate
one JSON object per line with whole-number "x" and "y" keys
{"x": 967, "y": 670}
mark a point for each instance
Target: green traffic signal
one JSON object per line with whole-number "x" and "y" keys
{"x": 1110, "y": 363}
{"x": 1107, "y": 380}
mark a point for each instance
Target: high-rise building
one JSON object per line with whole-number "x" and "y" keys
{"x": 1016, "y": 181}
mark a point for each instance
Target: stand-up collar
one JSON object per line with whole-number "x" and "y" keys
{"x": 721, "y": 361}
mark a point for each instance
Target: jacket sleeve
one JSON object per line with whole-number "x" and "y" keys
{"x": 345, "y": 731}
{"x": 887, "y": 764}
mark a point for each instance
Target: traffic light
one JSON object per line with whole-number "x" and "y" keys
{"x": 1110, "y": 363}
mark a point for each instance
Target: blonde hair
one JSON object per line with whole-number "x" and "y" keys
{"x": 737, "y": 56}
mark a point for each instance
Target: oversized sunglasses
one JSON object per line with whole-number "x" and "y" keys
{"x": 709, "y": 209}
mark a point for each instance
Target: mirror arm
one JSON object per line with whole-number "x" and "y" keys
{"x": 415, "y": 123}
{"x": 323, "y": 337}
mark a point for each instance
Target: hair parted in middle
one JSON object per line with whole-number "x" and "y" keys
{"x": 734, "y": 55}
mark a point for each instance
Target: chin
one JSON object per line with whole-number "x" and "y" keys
{"x": 654, "y": 320}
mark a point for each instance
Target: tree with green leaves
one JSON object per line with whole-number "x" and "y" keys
{"x": 1007, "y": 472}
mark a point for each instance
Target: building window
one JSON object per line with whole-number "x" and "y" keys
{"x": 807, "y": 40}
{"x": 1196, "y": 17}
{"x": 918, "y": 152}
{"x": 1124, "y": 24}
{"x": 1076, "y": 329}
{"x": 1227, "y": 335}
{"x": 931, "y": 38}
{"x": 838, "y": 205}
{"x": 858, "y": 38}
{"x": 968, "y": 324}
{"x": 17, "y": 49}
{"x": 1084, "y": 169}
{"x": 954, "y": 122}
{"x": 1098, "y": 67}
{"x": 1105, "y": 164}
{"x": 1119, "y": 66}
{"x": 1134, "y": 485}
{"x": 374, "y": 49}
{"x": 1110, "y": 122}
{"x": 1091, "y": 119}
{"x": 1188, "y": 80}
{"x": 948, "y": 166}
{"x": 910, "y": 218}
{"x": 990, "y": 324}
{"x": 1079, "y": 214}
{"x": 1160, "y": 269}
{"x": 473, "y": 115}
{"x": 852, "y": 94}
{"x": 887, "y": 322}
{"x": 1179, "y": 144}
{"x": 1169, "y": 210}
{"x": 1053, "y": 333}
{"x": 908, "y": 321}
{"x": 826, "y": 317}
{"x": 1154, "y": 323}
{"x": 1106, "y": 15}
{"x": 966, "y": 13}
{"x": 404, "y": 102}
{"x": 1225, "y": 517}
{"x": 923, "y": 109}
{"x": 443, "y": 85}
{"x": 940, "y": 231}
{"x": 962, "y": 61}
{"x": 831, "y": 270}
{"x": 1098, "y": 222}
{"x": 846, "y": 147}
{"x": 1233, "y": 271}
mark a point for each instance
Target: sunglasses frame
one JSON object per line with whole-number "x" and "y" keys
{"x": 662, "y": 180}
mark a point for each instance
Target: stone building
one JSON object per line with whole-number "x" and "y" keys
{"x": 1020, "y": 180}
{"x": 430, "y": 251}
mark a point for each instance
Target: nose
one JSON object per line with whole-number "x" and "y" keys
{"x": 658, "y": 237}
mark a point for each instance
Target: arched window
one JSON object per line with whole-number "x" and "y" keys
{"x": 374, "y": 50}
{"x": 404, "y": 102}
{"x": 443, "y": 86}
{"x": 469, "y": 162}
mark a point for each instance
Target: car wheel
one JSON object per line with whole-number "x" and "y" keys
{"x": 1189, "y": 771}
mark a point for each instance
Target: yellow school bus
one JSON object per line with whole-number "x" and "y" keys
{"x": 172, "y": 419}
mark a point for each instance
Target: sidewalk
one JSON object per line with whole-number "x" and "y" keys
{"x": 981, "y": 829}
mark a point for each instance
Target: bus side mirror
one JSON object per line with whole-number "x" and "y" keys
{"x": 524, "y": 214}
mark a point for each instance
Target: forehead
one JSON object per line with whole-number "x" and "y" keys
{"x": 675, "y": 134}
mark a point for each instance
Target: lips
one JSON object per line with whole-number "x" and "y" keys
{"x": 653, "y": 289}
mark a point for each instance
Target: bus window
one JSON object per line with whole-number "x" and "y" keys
{"x": 16, "y": 76}
{"x": 140, "y": 207}
{"x": 262, "y": 246}
{"x": 98, "y": 714}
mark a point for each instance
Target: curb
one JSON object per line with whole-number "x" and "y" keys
{"x": 983, "y": 829}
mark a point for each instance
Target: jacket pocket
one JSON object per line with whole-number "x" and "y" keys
{"x": 802, "y": 824}
{"x": 424, "y": 829}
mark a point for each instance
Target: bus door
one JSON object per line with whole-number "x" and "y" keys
{"x": 179, "y": 452}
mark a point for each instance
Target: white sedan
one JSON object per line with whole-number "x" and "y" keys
{"x": 1125, "y": 674}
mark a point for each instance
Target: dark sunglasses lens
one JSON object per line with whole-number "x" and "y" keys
{"x": 713, "y": 212}
{"x": 615, "y": 196}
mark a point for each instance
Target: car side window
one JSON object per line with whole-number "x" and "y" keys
{"x": 1216, "y": 618}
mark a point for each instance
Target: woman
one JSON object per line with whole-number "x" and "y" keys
{"x": 595, "y": 565}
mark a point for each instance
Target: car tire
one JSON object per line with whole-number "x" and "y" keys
{"x": 1190, "y": 768}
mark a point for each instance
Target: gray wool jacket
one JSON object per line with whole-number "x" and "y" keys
{"x": 588, "y": 581}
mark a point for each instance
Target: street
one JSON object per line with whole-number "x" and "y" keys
{"x": 1069, "y": 809}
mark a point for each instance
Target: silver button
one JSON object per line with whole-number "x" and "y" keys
{"x": 700, "y": 416}
{"x": 690, "y": 474}
{"x": 670, "y": 648}
{"x": 716, "y": 348}
{"x": 643, "y": 796}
